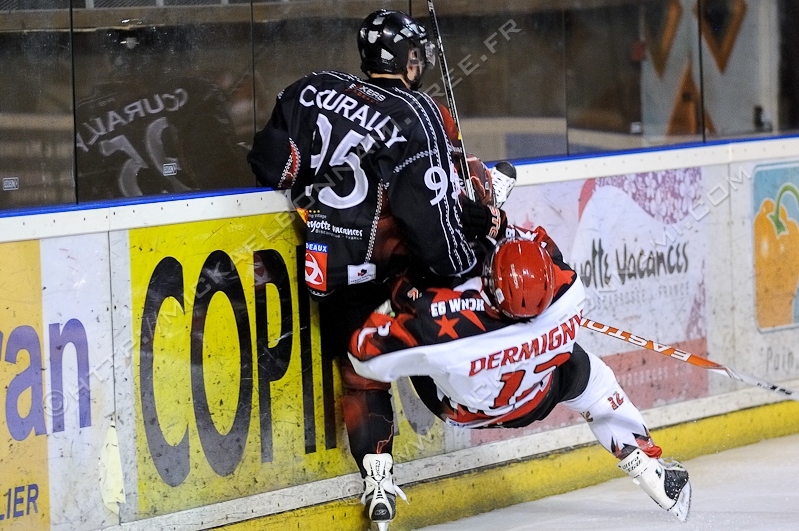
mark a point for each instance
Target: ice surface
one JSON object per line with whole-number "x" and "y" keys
{"x": 748, "y": 488}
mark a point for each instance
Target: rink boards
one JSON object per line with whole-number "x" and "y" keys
{"x": 161, "y": 366}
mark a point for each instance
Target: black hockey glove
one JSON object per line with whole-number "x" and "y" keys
{"x": 480, "y": 221}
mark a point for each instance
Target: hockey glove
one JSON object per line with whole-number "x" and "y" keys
{"x": 480, "y": 221}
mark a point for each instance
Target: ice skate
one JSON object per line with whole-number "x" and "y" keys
{"x": 503, "y": 179}
{"x": 665, "y": 480}
{"x": 380, "y": 493}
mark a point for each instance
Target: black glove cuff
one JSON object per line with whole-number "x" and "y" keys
{"x": 481, "y": 221}
{"x": 498, "y": 222}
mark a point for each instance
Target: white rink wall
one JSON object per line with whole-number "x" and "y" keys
{"x": 674, "y": 245}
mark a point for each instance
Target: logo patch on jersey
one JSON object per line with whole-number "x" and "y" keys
{"x": 456, "y": 305}
{"x": 366, "y": 92}
{"x": 413, "y": 294}
{"x": 358, "y": 274}
{"x": 316, "y": 266}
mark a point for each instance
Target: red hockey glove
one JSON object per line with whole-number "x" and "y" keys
{"x": 480, "y": 181}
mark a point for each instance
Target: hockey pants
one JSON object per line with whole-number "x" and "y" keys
{"x": 614, "y": 420}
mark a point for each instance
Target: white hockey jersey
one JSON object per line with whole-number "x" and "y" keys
{"x": 489, "y": 369}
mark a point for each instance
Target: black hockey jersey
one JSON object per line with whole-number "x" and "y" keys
{"x": 144, "y": 137}
{"x": 354, "y": 152}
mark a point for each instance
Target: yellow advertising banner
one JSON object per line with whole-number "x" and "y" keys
{"x": 24, "y": 483}
{"x": 228, "y": 376}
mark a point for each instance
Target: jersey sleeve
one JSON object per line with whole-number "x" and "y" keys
{"x": 423, "y": 194}
{"x": 275, "y": 158}
{"x": 450, "y": 127}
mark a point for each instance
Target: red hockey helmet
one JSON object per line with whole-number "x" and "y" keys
{"x": 520, "y": 278}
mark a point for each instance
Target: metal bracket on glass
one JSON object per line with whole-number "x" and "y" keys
{"x": 130, "y": 23}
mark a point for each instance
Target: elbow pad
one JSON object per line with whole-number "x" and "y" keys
{"x": 274, "y": 158}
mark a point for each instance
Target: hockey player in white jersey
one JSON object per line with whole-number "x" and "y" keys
{"x": 500, "y": 351}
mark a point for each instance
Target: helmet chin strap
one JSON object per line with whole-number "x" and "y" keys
{"x": 416, "y": 83}
{"x": 413, "y": 58}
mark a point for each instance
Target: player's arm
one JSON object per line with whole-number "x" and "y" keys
{"x": 275, "y": 158}
{"x": 423, "y": 195}
{"x": 478, "y": 173}
{"x": 482, "y": 221}
{"x": 491, "y": 187}
{"x": 451, "y": 128}
{"x": 481, "y": 217}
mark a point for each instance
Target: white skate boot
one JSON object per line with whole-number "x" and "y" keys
{"x": 503, "y": 179}
{"x": 665, "y": 480}
{"x": 380, "y": 491}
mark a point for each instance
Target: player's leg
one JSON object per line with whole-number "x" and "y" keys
{"x": 620, "y": 428}
{"x": 665, "y": 480}
{"x": 369, "y": 418}
{"x": 503, "y": 179}
{"x": 368, "y": 414}
{"x": 380, "y": 492}
{"x": 366, "y": 404}
{"x": 611, "y": 415}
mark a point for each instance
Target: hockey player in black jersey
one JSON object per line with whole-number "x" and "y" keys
{"x": 370, "y": 167}
{"x": 356, "y": 153}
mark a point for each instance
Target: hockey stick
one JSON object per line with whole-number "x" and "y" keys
{"x": 686, "y": 357}
{"x": 464, "y": 166}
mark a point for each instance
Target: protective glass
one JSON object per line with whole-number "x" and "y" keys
{"x": 430, "y": 53}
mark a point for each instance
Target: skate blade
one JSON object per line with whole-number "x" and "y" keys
{"x": 683, "y": 505}
{"x": 381, "y": 526}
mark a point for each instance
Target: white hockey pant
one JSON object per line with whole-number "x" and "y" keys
{"x": 614, "y": 420}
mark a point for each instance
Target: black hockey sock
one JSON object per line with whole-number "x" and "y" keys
{"x": 370, "y": 423}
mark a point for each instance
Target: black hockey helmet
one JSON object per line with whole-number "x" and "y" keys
{"x": 386, "y": 39}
